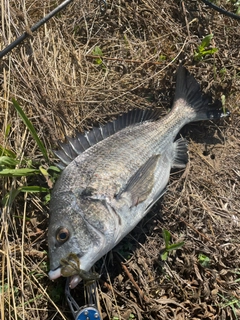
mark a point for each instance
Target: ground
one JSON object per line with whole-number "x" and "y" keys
{"x": 82, "y": 68}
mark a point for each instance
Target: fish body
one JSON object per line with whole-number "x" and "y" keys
{"x": 114, "y": 174}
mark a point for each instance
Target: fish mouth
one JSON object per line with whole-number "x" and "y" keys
{"x": 54, "y": 274}
{"x": 69, "y": 266}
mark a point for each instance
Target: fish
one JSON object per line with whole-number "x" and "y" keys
{"x": 114, "y": 174}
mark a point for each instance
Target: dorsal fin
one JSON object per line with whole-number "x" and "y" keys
{"x": 77, "y": 145}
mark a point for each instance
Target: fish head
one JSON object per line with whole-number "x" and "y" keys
{"x": 74, "y": 245}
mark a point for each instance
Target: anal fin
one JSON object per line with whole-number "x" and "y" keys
{"x": 180, "y": 157}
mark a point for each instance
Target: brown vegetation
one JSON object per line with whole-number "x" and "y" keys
{"x": 62, "y": 85}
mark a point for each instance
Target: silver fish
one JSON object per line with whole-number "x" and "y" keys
{"x": 112, "y": 177}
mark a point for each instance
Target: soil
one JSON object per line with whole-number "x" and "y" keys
{"x": 83, "y": 68}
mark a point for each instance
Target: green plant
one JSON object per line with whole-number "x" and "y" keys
{"x": 31, "y": 128}
{"x": 5, "y": 288}
{"x": 204, "y": 260}
{"x": 203, "y": 49}
{"x": 169, "y": 247}
{"x": 162, "y": 58}
{"x": 98, "y": 52}
{"x": 232, "y": 302}
{"x": 12, "y": 167}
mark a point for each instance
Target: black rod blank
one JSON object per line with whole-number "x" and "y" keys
{"x": 34, "y": 28}
{"x": 220, "y": 10}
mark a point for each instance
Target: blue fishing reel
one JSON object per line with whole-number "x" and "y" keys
{"x": 87, "y": 312}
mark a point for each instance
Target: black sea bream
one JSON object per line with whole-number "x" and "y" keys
{"x": 113, "y": 175}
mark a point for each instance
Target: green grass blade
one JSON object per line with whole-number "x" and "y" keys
{"x": 205, "y": 42}
{"x": 164, "y": 256}
{"x": 166, "y": 237}
{"x": 175, "y": 246}
{"x": 31, "y": 128}
{"x": 8, "y": 161}
{"x": 6, "y": 152}
{"x": 11, "y": 196}
{"x": 23, "y": 172}
{"x": 54, "y": 169}
{"x": 7, "y": 131}
{"x": 33, "y": 189}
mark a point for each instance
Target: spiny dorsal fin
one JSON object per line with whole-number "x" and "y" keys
{"x": 77, "y": 145}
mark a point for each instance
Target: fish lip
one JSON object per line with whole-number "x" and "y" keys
{"x": 54, "y": 274}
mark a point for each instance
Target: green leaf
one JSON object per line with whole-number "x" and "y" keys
{"x": 98, "y": 61}
{"x": 209, "y": 51}
{"x": 202, "y": 50}
{"x": 23, "y": 172}
{"x": 164, "y": 256}
{"x": 5, "y": 288}
{"x": 162, "y": 58}
{"x": 7, "y": 130}
{"x": 97, "y": 51}
{"x": 47, "y": 198}
{"x": 6, "y": 152}
{"x": 43, "y": 171}
{"x": 205, "y": 42}
{"x": 33, "y": 189}
{"x": 22, "y": 217}
{"x": 167, "y": 237}
{"x": 203, "y": 260}
{"x": 54, "y": 168}
{"x": 175, "y": 246}
{"x": 10, "y": 197}
{"x": 8, "y": 161}
{"x": 31, "y": 128}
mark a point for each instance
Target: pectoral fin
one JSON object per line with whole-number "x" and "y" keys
{"x": 141, "y": 183}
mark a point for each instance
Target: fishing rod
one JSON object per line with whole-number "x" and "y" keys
{"x": 220, "y": 10}
{"x": 103, "y": 6}
{"x": 64, "y": 4}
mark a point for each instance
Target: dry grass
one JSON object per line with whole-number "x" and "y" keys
{"x": 55, "y": 78}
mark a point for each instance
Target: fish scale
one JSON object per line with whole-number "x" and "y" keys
{"x": 108, "y": 162}
{"x": 113, "y": 175}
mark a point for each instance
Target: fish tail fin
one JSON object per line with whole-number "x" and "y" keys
{"x": 188, "y": 95}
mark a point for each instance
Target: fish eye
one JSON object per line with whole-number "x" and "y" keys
{"x": 62, "y": 234}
